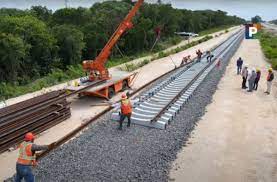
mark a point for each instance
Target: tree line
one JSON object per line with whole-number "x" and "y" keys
{"x": 274, "y": 22}
{"x": 37, "y": 40}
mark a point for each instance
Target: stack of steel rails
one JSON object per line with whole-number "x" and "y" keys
{"x": 33, "y": 115}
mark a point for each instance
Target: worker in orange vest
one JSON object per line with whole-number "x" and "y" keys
{"x": 27, "y": 159}
{"x": 126, "y": 110}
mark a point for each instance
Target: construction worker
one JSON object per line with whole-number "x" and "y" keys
{"x": 185, "y": 60}
{"x": 244, "y": 75}
{"x": 199, "y": 55}
{"x": 239, "y": 65}
{"x": 209, "y": 56}
{"x": 256, "y": 83}
{"x": 251, "y": 80}
{"x": 125, "y": 106}
{"x": 27, "y": 159}
{"x": 269, "y": 79}
{"x": 126, "y": 110}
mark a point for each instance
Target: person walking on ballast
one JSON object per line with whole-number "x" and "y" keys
{"x": 125, "y": 106}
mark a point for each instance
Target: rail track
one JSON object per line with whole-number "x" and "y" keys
{"x": 170, "y": 76}
{"x": 158, "y": 106}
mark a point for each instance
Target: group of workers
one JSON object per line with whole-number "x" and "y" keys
{"x": 252, "y": 77}
{"x": 199, "y": 54}
{"x": 209, "y": 55}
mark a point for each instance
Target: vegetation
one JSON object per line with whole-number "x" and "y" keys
{"x": 256, "y": 19}
{"x": 132, "y": 66}
{"x": 38, "y": 45}
{"x": 269, "y": 47}
{"x": 216, "y": 29}
{"x": 274, "y": 22}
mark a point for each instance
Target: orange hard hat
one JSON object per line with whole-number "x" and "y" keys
{"x": 123, "y": 96}
{"x": 29, "y": 136}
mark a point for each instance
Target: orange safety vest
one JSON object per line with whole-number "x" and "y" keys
{"x": 26, "y": 156}
{"x": 126, "y": 107}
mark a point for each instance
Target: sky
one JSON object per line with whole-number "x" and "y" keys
{"x": 246, "y": 9}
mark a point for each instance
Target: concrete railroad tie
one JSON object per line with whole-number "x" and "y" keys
{"x": 158, "y": 106}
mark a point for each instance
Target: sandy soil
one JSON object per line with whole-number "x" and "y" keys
{"x": 82, "y": 109}
{"x": 236, "y": 140}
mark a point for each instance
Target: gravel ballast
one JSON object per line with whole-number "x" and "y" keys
{"x": 103, "y": 153}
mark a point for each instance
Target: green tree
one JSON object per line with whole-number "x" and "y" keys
{"x": 70, "y": 42}
{"x": 41, "y": 13}
{"x": 69, "y": 35}
{"x": 274, "y": 22}
{"x": 256, "y": 19}
{"x": 35, "y": 34}
{"x": 12, "y": 12}
{"x": 71, "y": 16}
{"x": 12, "y": 53}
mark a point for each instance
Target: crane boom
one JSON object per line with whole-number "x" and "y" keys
{"x": 96, "y": 68}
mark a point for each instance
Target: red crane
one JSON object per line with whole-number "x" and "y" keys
{"x": 96, "y": 68}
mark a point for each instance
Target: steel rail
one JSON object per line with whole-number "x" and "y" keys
{"x": 109, "y": 108}
{"x": 161, "y": 112}
{"x": 70, "y": 135}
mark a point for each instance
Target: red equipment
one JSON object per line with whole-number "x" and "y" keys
{"x": 96, "y": 68}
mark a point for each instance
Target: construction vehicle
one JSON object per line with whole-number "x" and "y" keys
{"x": 97, "y": 71}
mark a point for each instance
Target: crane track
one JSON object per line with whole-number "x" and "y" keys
{"x": 158, "y": 106}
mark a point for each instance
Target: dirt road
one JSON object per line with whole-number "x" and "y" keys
{"x": 236, "y": 140}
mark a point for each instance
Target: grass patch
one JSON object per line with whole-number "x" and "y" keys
{"x": 8, "y": 90}
{"x": 132, "y": 66}
{"x": 269, "y": 47}
{"x": 217, "y": 29}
